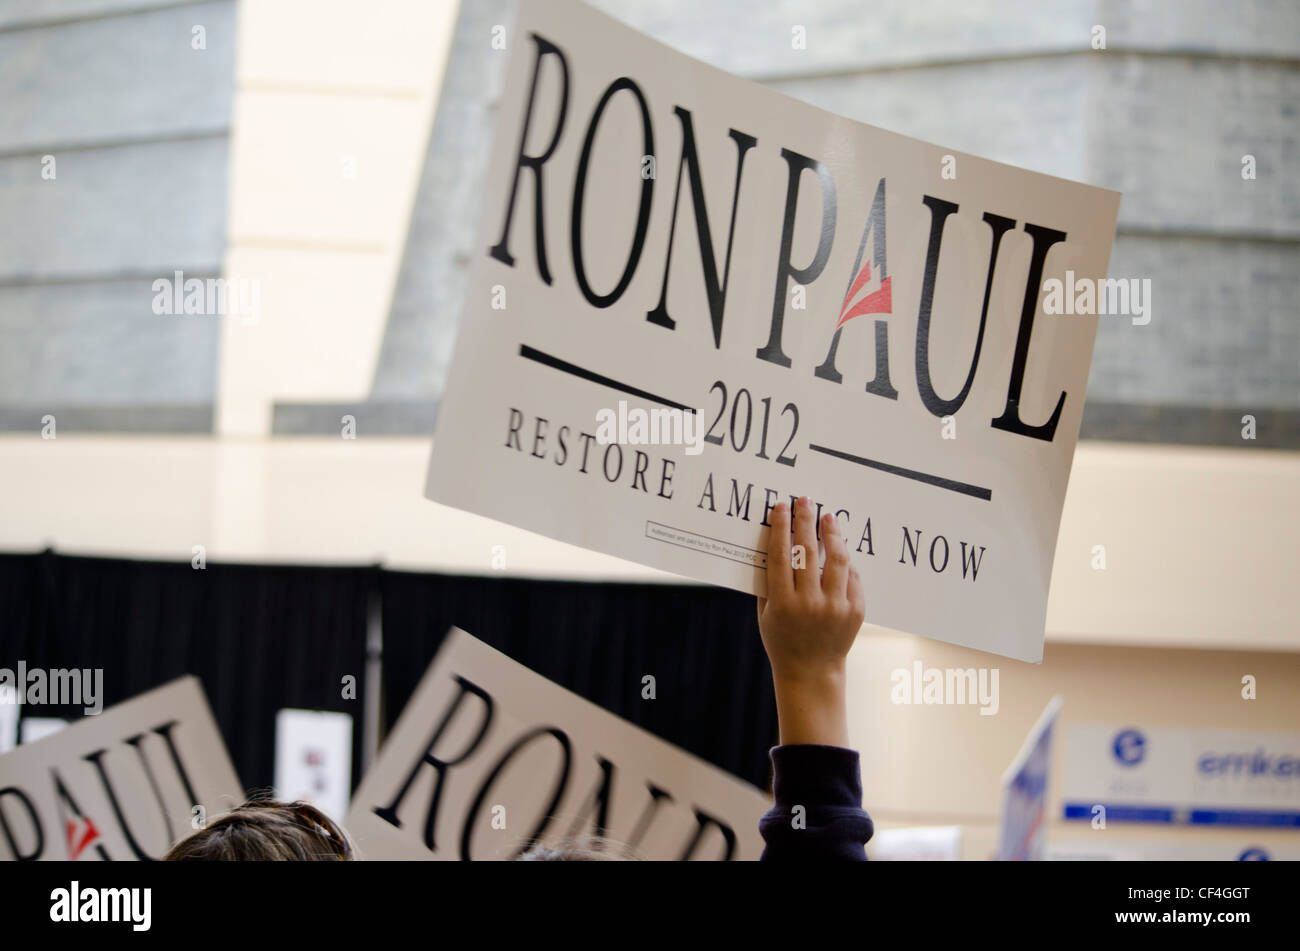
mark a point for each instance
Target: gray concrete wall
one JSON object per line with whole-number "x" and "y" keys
{"x": 138, "y": 123}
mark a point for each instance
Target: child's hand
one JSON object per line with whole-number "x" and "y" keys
{"x": 808, "y": 621}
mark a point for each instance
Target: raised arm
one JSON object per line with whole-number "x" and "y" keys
{"x": 808, "y": 622}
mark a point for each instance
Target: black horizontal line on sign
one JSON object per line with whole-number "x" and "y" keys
{"x": 952, "y": 485}
{"x": 532, "y": 353}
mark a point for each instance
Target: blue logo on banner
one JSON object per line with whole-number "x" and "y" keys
{"x": 1253, "y": 855}
{"x": 1129, "y": 747}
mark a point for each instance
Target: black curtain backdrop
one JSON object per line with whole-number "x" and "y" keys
{"x": 261, "y": 638}
{"x": 713, "y": 683}
{"x": 22, "y": 597}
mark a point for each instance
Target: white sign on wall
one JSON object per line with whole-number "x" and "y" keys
{"x": 1170, "y": 775}
{"x": 920, "y": 844}
{"x": 313, "y": 759}
{"x": 123, "y": 785}
{"x": 38, "y": 728}
{"x": 691, "y": 298}
{"x": 9, "y": 707}
{"x": 489, "y": 757}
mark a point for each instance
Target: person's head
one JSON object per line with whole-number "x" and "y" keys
{"x": 263, "y": 830}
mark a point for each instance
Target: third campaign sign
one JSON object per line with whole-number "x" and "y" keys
{"x": 692, "y": 297}
{"x": 489, "y": 758}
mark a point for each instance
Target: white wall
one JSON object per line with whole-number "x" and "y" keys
{"x": 1200, "y": 543}
{"x": 333, "y": 106}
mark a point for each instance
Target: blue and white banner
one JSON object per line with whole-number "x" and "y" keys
{"x": 1022, "y": 817}
{"x": 1181, "y": 776}
{"x": 1109, "y": 848}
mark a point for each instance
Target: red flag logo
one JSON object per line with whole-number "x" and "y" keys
{"x": 877, "y": 302}
{"x": 77, "y": 845}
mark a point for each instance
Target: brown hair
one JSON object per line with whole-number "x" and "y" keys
{"x": 591, "y": 849}
{"x": 263, "y": 830}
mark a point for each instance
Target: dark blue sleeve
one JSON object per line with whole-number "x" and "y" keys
{"x": 831, "y": 825}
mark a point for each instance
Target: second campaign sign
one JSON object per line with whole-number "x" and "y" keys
{"x": 692, "y": 297}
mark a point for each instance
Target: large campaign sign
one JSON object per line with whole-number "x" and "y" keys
{"x": 1170, "y": 775}
{"x": 692, "y": 297}
{"x": 489, "y": 758}
{"x": 124, "y": 785}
